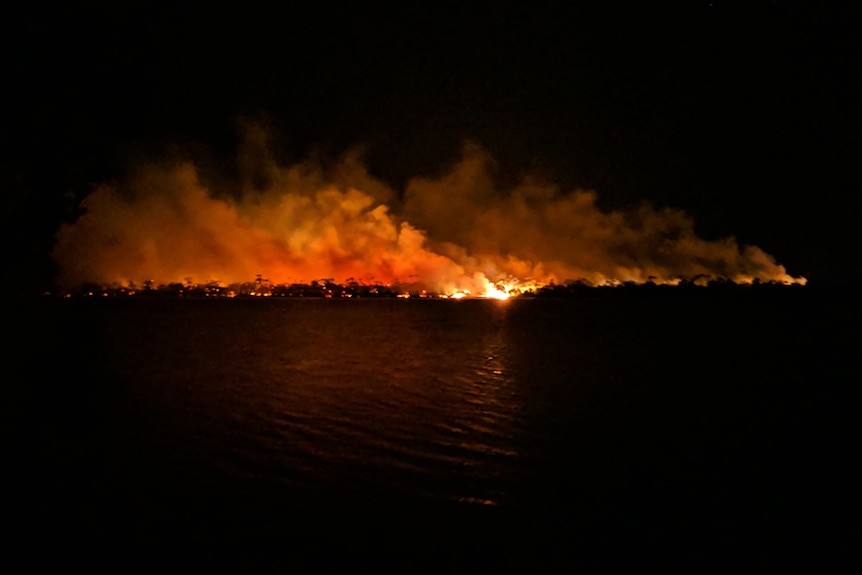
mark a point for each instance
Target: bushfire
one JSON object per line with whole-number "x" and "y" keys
{"x": 458, "y": 235}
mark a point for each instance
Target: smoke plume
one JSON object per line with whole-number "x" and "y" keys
{"x": 455, "y": 233}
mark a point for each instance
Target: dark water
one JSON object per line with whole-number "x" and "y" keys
{"x": 546, "y": 432}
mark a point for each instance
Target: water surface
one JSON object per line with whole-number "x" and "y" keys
{"x": 573, "y": 419}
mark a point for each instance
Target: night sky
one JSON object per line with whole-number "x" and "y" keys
{"x": 744, "y": 114}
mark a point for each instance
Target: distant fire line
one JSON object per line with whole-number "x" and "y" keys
{"x": 331, "y": 290}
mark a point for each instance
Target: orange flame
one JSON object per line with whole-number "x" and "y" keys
{"x": 459, "y": 236}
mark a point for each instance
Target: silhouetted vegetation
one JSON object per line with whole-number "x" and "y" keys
{"x": 328, "y": 288}
{"x": 696, "y": 287}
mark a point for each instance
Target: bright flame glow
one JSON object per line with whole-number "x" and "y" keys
{"x": 496, "y": 292}
{"x": 457, "y": 236}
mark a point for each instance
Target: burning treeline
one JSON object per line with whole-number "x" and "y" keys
{"x": 459, "y": 234}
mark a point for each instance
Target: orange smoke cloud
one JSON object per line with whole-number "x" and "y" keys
{"x": 537, "y": 231}
{"x": 167, "y": 227}
{"x": 457, "y": 233}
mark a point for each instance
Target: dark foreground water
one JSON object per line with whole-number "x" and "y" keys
{"x": 690, "y": 431}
